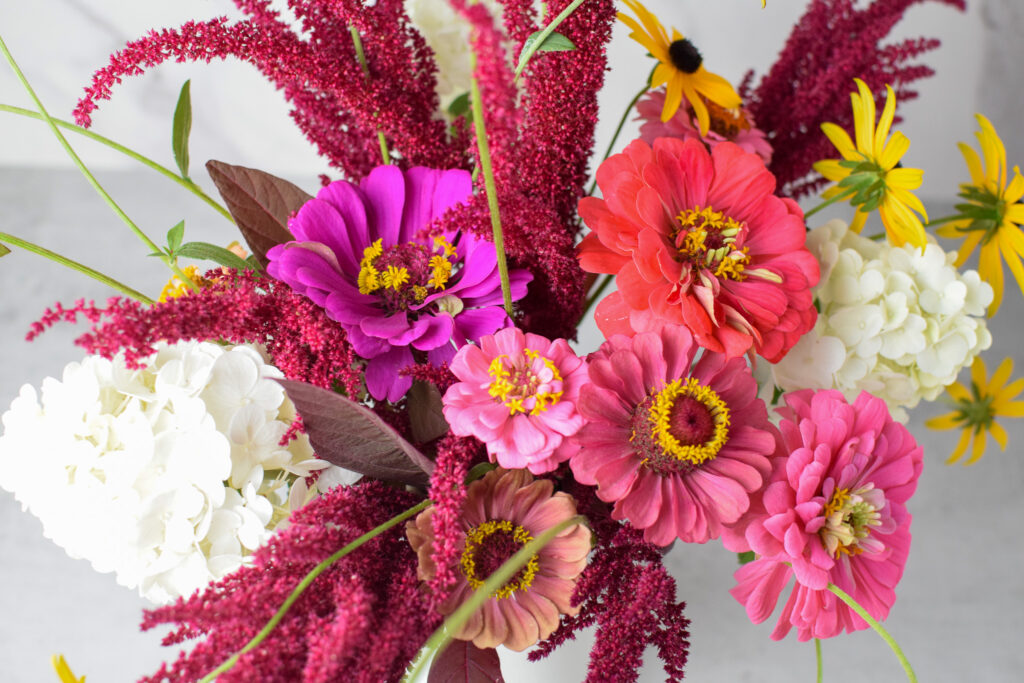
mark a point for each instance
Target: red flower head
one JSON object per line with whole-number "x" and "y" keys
{"x": 697, "y": 238}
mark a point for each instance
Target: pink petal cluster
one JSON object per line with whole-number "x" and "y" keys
{"x": 834, "y": 511}
{"x": 662, "y": 492}
{"x": 726, "y": 126}
{"x": 698, "y": 238}
{"x": 517, "y": 393}
{"x": 536, "y": 597}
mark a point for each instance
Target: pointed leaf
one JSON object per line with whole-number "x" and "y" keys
{"x": 174, "y": 236}
{"x": 211, "y": 252}
{"x": 555, "y": 42}
{"x": 182, "y": 128}
{"x": 463, "y": 662}
{"x": 460, "y": 105}
{"x": 259, "y": 202}
{"x": 354, "y": 437}
{"x": 4, "y": 251}
{"x": 426, "y": 418}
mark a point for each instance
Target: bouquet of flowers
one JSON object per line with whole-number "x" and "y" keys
{"x": 364, "y": 442}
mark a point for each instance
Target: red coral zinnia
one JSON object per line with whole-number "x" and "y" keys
{"x": 698, "y": 239}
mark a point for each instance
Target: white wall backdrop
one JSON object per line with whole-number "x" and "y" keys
{"x": 960, "y": 615}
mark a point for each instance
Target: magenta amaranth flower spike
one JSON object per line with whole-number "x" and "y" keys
{"x": 337, "y": 106}
{"x": 363, "y": 255}
{"x": 832, "y": 43}
{"x": 239, "y": 308}
{"x": 833, "y": 511}
{"x": 362, "y": 620}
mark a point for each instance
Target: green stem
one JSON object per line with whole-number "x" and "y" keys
{"x": 491, "y": 188}
{"x": 357, "y": 41}
{"x": 817, "y": 656}
{"x": 828, "y": 202}
{"x": 75, "y": 265}
{"x": 494, "y": 582}
{"x": 602, "y": 285}
{"x": 88, "y": 174}
{"x": 524, "y": 58}
{"x": 305, "y": 583}
{"x": 842, "y": 595}
{"x": 67, "y": 125}
{"x": 944, "y": 219}
{"x": 618, "y": 128}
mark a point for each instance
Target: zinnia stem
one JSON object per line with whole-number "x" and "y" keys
{"x": 491, "y": 189}
{"x": 828, "y": 202}
{"x": 75, "y": 265}
{"x": 163, "y": 170}
{"x": 502, "y": 575}
{"x": 305, "y": 583}
{"x": 602, "y": 285}
{"x": 524, "y": 58}
{"x": 357, "y": 41}
{"x": 88, "y": 174}
{"x": 817, "y": 657}
{"x": 842, "y": 595}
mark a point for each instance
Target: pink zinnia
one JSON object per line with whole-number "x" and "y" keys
{"x": 727, "y": 125}
{"x": 678, "y": 450}
{"x": 698, "y": 239}
{"x": 833, "y": 512}
{"x": 503, "y": 512}
{"x": 518, "y": 395}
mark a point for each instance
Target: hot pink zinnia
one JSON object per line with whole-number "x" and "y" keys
{"x": 698, "y": 239}
{"x": 727, "y": 125}
{"x": 518, "y": 395}
{"x": 503, "y": 512}
{"x": 678, "y": 450}
{"x": 833, "y": 512}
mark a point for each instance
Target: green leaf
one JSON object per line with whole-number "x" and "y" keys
{"x": 4, "y": 251}
{"x": 555, "y": 42}
{"x": 746, "y": 557}
{"x": 174, "y": 237}
{"x": 460, "y": 105}
{"x": 182, "y": 129}
{"x": 211, "y": 252}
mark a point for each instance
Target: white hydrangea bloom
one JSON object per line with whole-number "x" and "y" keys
{"x": 170, "y": 475}
{"x": 899, "y": 322}
{"x": 447, "y": 34}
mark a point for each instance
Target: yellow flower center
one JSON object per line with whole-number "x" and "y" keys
{"x": 490, "y": 545}
{"x": 707, "y": 239}
{"x": 849, "y": 518}
{"x": 528, "y": 384}
{"x": 405, "y": 274}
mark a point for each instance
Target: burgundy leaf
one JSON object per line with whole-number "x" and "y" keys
{"x": 259, "y": 202}
{"x": 463, "y": 662}
{"x": 426, "y": 418}
{"x": 352, "y": 436}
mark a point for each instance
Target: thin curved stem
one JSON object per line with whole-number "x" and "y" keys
{"x": 162, "y": 170}
{"x": 88, "y": 174}
{"x": 74, "y": 265}
{"x": 890, "y": 641}
{"x": 491, "y": 188}
{"x": 524, "y": 58}
{"x": 606, "y": 279}
{"x": 618, "y": 128}
{"x": 357, "y": 41}
{"x": 495, "y": 581}
{"x": 305, "y": 583}
{"x": 828, "y": 202}
{"x": 817, "y": 657}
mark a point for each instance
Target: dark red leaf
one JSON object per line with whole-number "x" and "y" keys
{"x": 463, "y": 662}
{"x": 259, "y": 202}
{"x": 352, "y": 436}
{"x": 426, "y": 418}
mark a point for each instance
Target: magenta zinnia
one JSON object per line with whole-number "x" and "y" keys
{"x": 518, "y": 395}
{"x": 503, "y": 512}
{"x": 834, "y": 511}
{"x": 698, "y": 239}
{"x": 678, "y": 450}
{"x": 363, "y": 256}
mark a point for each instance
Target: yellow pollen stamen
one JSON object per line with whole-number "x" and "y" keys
{"x": 368, "y": 279}
{"x": 419, "y": 292}
{"x": 849, "y": 518}
{"x": 394, "y": 277}
{"x": 661, "y": 411}
{"x": 475, "y": 538}
{"x": 516, "y": 391}
{"x": 692, "y": 239}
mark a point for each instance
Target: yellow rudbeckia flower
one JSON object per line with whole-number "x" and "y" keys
{"x": 681, "y": 67}
{"x": 977, "y": 409}
{"x": 868, "y": 175}
{"x": 992, "y": 215}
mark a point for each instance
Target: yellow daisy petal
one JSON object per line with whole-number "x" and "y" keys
{"x": 977, "y": 448}
{"x": 904, "y": 178}
{"x": 831, "y": 169}
{"x": 974, "y": 166}
{"x": 991, "y": 270}
{"x": 840, "y": 139}
{"x": 673, "y": 97}
{"x": 885, "y": 122}
{"x": 894, "y": 151}
{"x": 978, "y": 373}
{"x": 863, "y": 117}
{"x": 699, "y": 108}
{"x": 993, "y": 150}
{"x": 947, "y": 421}
{"x": 961, "y": 446}
{"x": 1005, "y": 395}
{"x": 1011, "y": 409}
{"x": 1015, "y": 213}
{"x": 958, "y": 392}
{"x": 967, "y": 248}
{"x": 716, "y": 89}
{"x": 663, "y": 73}
{"x": 1009, "y": 241}
{"x": 999, "y": 377}
{"x": 999, "y": 434}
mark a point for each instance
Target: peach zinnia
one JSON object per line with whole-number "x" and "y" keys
{"x": 503, "y": 512}
{"x": 697, "y": 238}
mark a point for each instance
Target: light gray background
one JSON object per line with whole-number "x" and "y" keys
{"x": 959, "y": 612}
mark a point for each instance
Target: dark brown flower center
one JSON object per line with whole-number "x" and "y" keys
{"x": 685, "y": 56}
{"x": 726, "y": 122}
